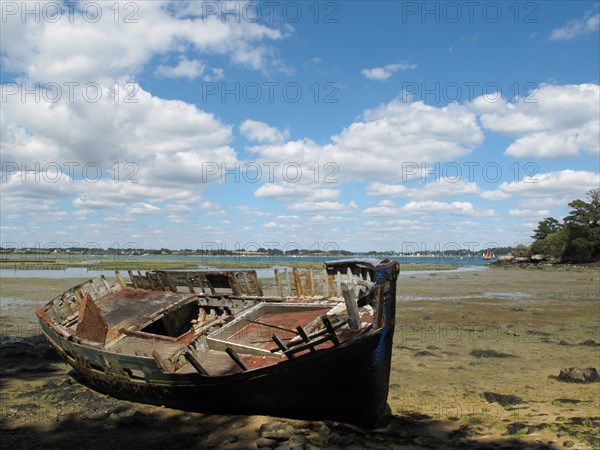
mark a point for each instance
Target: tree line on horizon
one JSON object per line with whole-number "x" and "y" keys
{"x": 97, "y": 251}
{"x": 576, "y": 239}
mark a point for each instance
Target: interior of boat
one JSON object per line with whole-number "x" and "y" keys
{"x": 216, "y": 323}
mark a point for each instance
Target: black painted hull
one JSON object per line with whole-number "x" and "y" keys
{"x": 347, "y": 384}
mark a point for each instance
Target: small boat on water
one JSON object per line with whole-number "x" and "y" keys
{"x": 487, "y": 255}
{"x": 318, "y": 347}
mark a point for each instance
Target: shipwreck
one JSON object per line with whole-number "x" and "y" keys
{"x": 319, "y": 346}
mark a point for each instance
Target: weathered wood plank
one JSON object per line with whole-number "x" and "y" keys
{"x": 236, "y": 358}
{"x": 331, "y": 330}
{"x": 297, "y": 282}
{"x": 278, "y": 283}
{"x": 160, "y": 361}
{"x": 120, "y": 280}
{"x": 304, "y": 337}
{"x": 350, "y": 297}
{"x": 281, "y": 345}
{"x": 195, "y": 363}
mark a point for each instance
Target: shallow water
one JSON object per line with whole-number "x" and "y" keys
{"x": 15, "y": 302}
{"x": 70, "y": 272}
{"x": 462, "y": 269}
{"x": 82, "y": 272}
{"x": 486, "y": 295}
{"x": 514, "y": 295}
{"x": 416, "y": 298}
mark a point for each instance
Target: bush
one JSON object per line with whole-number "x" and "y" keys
{"x": 520, "y": 250}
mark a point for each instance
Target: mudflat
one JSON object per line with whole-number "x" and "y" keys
{"x": 476, "y": 364}
{"x": 477, "y": 356}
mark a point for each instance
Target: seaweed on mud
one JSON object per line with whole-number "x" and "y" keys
{"x": 516, "y": 428}
{"x": 568, "y": 401}
{"x": 503, "y": 399}
{"x": 424, "y": 353}
{"x": 479, "y": 353}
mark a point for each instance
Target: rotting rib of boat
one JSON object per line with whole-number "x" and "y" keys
{"x": 211, "y": 341}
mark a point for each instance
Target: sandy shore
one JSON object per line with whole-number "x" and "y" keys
{"x": 475, "y": 365}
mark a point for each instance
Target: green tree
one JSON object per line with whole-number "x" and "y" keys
{"x": 583, "y": 229}
{"x": 550, "y": 240}
{"x": 520, "y": 250}
{"x": 578, "y": 238}
{"x": 552, "y": 245}
{"x": 546, "y": 227}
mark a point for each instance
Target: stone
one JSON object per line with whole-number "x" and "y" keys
{"x": 238, "y": 424}
{"x": 126, "y": 421}
{"x": 280, "y": 431}
{"x": 346, "y": 440}
{"x": 266, "y": 443}
{"x": 230, "y": 438}
{"x": 575, "y": 375}
{"x": 297, "y": 440}
{"x": 334, "y": 438}
{"x": 324, "y": 431}
{"x": 506, "y": 258}
{"x": 112, "y": 419}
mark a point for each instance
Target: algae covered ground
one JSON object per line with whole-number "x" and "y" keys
{"x": 475, "y": 365}
{"x": 477, "y": 355}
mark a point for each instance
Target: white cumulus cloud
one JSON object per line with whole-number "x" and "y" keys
{"x": 108, "y": 50}
{"x": 573, "y": 29}
{"x": 377, "y": 147}
{"x": 185, "y": 68}
{"x": 260, "y": 132}
{"x": 384, "y": 72}
{"x": 547, "y": 189}
{"x": 552, "y": 122}
{"x": 459, "y": 208}
{"x": 436, "y": 189}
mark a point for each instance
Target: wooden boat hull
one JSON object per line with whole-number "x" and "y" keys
{"x": 347, "y": 383}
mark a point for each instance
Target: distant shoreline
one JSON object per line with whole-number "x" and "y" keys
{"x": 190, "y": 265}
{"x": 547, "y": 266}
